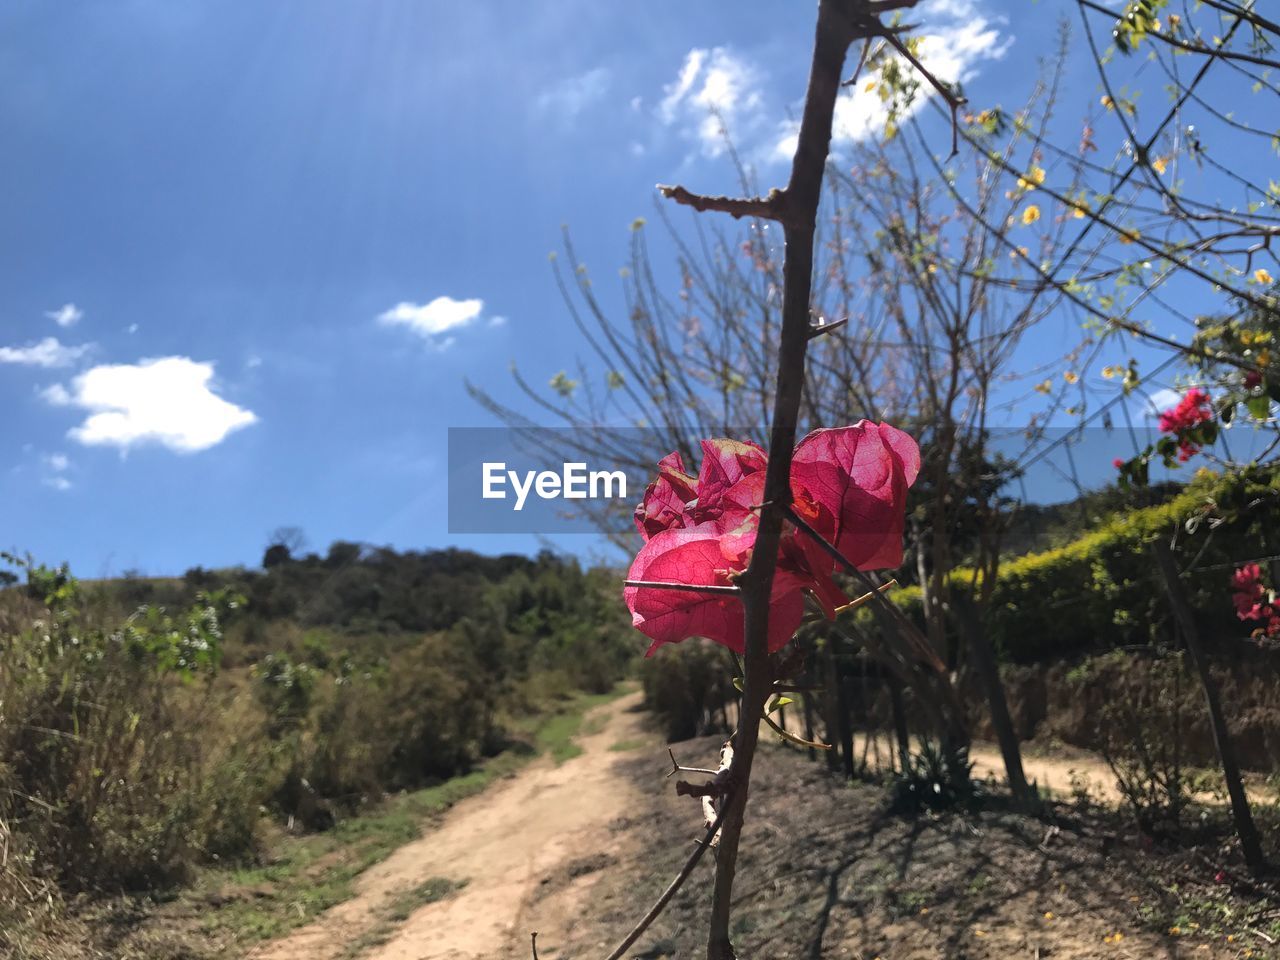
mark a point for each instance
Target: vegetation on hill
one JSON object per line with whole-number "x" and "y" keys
{"x": 149, "y": 725}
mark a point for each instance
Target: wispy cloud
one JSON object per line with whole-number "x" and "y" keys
{"x": 715, "y": 90}
{"x": 169, "y": 401}
{"x": 432, "y": 320}
{"x": 571, "y": 96}
{"x": 49, "y": 352}
{"x": 67, "y": 315}
{"x": 55, "y": 469}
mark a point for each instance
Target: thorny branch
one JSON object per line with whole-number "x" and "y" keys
{"x": 795, "y": 207}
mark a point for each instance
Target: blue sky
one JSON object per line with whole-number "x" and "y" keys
{"x": 250, "y": 251}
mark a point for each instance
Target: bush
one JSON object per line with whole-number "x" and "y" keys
{"x": 105, "y": 738}
{"x": 686, "y": 686}
{"x": 1101, "y": 591}
{"x": 1141, "y": 736}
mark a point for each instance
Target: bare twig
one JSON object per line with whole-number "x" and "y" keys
{"x": 869, "y": 595}
{"x": 673, "y": 888}
{"x": 723, "y": 590}
{"x": 818, "y": 329}
{"x": 772, "y": 207}
{"x": 533, "y": 942}
{"x": 792, "y": 738}
{"x": 677, "y": 767}
{"x": 954, "y": 100}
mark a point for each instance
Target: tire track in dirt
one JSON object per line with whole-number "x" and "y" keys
{"x": 526, "y": 852}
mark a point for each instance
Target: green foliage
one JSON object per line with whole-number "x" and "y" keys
{"x": 934, "y": 781}
{"x": 685, "y": 686}
{"x": 1100, "y": 590}
{"x": 139, "y": 741}
{"x": 109, "y": 776}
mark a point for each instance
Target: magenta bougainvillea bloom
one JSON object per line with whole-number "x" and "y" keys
{"x": 850, "y": 484}
{"x": 1193, "y": 409}
{"x": 1254, "y": 602}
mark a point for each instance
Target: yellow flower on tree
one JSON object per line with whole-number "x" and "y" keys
{"x": 1160, "y": 165}
{"x": 1030, "y": 214}
{"x": 1033, "y": 179}
{"x": 1262, "y": 276}
{"x": 1071, "y": 376}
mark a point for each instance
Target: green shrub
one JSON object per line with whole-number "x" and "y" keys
{"x": 105, "y": 737}
{"x": 687, "y": 687}
{"x": 1101, "y": 591}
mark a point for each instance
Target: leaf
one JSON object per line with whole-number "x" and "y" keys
{"x": 1259, "y": 407}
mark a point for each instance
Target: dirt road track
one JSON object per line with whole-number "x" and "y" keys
{"x": 516, "y": 848}
{"x": 526, "y": 853}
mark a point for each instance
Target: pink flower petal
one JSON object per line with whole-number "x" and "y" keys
{"x": 859, "y": 483}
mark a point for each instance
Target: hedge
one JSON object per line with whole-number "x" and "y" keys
{"x": 1101, "y": 592}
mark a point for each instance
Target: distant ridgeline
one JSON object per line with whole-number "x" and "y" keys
{"x": 359, "y": 588}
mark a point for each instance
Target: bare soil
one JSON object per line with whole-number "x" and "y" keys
{"x": 523, "y": 856}
{"x": 828, "y": 872}
{"x": 578, "y": 851}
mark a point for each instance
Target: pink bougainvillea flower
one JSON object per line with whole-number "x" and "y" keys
{"x": 850, "y": 484}
{"x": 1195, "y": 408}
{"x": 700, "y": 555}
{"x": 665, "y": 500}
{"x": 858, "y": 476}
{"x": 1254, "y": 602}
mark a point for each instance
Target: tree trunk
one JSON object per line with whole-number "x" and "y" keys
{"x": 899, "y": 721}
{"x": 1250, "y": 844}
{"x": 984, "y": 661}
{"x": 808, "y": 725}
{"x": 830, "y": 704}
{"x": 843, "y": 725}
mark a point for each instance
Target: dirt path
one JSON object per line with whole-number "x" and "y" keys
{"x": 526, "y": 851}
{"x": 1057, "y": 772}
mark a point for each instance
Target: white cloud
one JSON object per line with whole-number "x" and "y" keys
{"x": 131, "y": 328}
{"x": 165, "y": 400}
{"x": 56, "y": 395}
{"x": 955, "y": 39}
{"x": 714, "y": 88}
{"x": 67, "y": 315}
{"x": 49, "y": 352}
{"x": 429, "y": 320}
{"x": 58, "y": 483}
{"x": 571, "y": 96}
{"x": 57, "y": 462}
{"x": 1160, "y": 401}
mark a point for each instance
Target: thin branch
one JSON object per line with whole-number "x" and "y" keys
{"x": 954, "y": 100}
{"x": 533, "y": 942}
{"x": 772, "y": 207}
{"x": 676, "y": 767}
{"x": 671, "y": 890}
{"x": 818, "y": 329}
{"x": 792, "y": 738}
{"x": 869, "y": 595}
{"x": 712, "y": 588}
